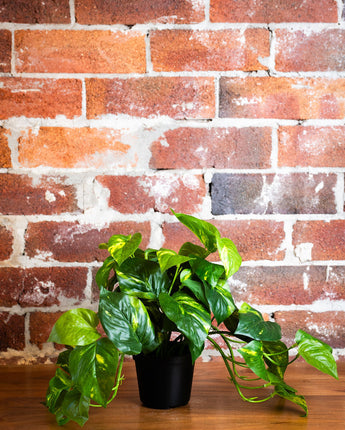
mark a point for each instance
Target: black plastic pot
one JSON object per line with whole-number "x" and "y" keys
{"x": 164, "y": 382}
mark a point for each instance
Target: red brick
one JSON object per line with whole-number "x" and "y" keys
{"x": 326, "y": 239}
{"x": 82, "y": 51}
{"x": 20, "y": 194}
{"x": 42, "y": 286}
{"x": 12, "y": 332}
{"x": 179, "y": 50}
{"x": 288, "y": 285}
{"x": 220, "y": 148}
{"x": 255, "y": 240}
{"x": 326, "y": 326}
{"x": 140, "y": 194}
{"x": 177, "y": 97}
{"x": 138, "y": 11}
{"x": 84, "y": 147}
{"x": 35, "y": 11}
{"x": 273, "y": 11}
{"x": 5, "y": 152}
{"x": 38, "y": 98}
{"x": 286, "y": 98}
{"x": 41, "y": 324}
{"x": 293, "y": 193}
{"x": 6, "y": 243}
{"x": 5, "y": 50}
{"x": 75, "y": 242}
{"x": 298, "y": 51}
{"x": 311, "y": 146}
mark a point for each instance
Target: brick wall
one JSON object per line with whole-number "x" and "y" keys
{"x": 112, "y": 112}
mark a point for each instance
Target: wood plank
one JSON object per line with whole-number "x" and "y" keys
{"x": 214, "y": 403}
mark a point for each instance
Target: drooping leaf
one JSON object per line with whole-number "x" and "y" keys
{"x": 126, "y": 322}
{"x": 252, "y": 324}
{"x": 278, "y": 357}
{"x": 75, "y": 406}
{"x": 206, "y": 232}
{"x": 253, "y": 356}
{"x": 286, "y": 392}
{"x": 142, "y": 278}
{"x": 316, "y": 353}
{"x": 103, "y": 272}
{"x": 220, "y": 301}
{"x": 168, "y": 258}
{"x": 93, "y": 369}
{"x": 75, "y": 327}
{"x": 207, "y": 271}
{"x": 57, "y": 389}
{"x": 196, "y": 287}
{"x": 121, "y": 247}
{"x": 190, "y": 249}
{"x": 190, "y": 317}
{"x": 229, "y": 256}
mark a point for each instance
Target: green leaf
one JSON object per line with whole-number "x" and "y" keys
{"x": 206, "y": 271}
{"x": 253, "y": 356}
{"x": 75, "y": 406}
{"x": 126, "y": 322}
{"x": 142, "y": 278}
{"x": 121, "y": 247}
{"x": 286, "y": 392}
{"x": 316, "y": 353}
{"x": 229, "y": 256}
{"x": 278, "y": 357}
{"x": 190, "y": 249}
{"x": 75, "y": 327}
{"x": 168, "y": 258}
{"x": 203, "y": 230}
{"x": 252, "y": 324}
{"x": 103, "y": 272}
{"x": 190, "y": 317}
{"x": 58, "y": 386}
{"x": 196, "y": 287}
{"x": 220, "y": 301}
{"x": 93, "y": 369}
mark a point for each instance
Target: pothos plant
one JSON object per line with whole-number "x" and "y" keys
{"x": 160, "y": 302}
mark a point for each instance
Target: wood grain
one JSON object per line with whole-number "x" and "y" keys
{"x": 214, "y": 403}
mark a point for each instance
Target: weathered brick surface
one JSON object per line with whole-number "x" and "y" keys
{"x": 221, "y": 148}
{"x": 35, "y": 11}
{"x": 40, "y": 326}
{"x": 140, "y": 194}
{"x": 72, "y": 241}
{"x": 280, "y": 97}
{"x": 5, "y": 51}
{"x": 85, "y": 147}
{"x": 268, "y": 194}
{"x": 12, "y": 332}
{"x": 326, "y": 326}
{"x": 255, "y": 240}
{"x": 177, "y": 97}
{"x": 38, "y": 98}
{"x": 139, "y": 12}
{"x": 42, "y": 286}
{"x": 6, "y": 242}
{"x": 326, "y": 239}
{"x": 301, "y": 51}
{"x": 288, "y": 285}
{"x": 22, "y": 195}
{"x": 179, "y": 50}
{"x": 312, "y": 146}
{"x": 69, "y": 51}
{"x": 5, "y": 153}
{"x": 273, "y": 11}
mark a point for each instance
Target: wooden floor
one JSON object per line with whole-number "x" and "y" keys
{"x": 214, "y": 404}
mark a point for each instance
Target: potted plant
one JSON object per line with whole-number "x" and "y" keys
{"x": 161, "y": 306}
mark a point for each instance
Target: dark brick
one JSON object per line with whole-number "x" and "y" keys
{"x": 41, "y": 324}
{"x": 12, "y": 332}
{"x": 6, "y": 242}
{"x": 35, "y": 11}
{"x": 5, "y": 50}
{"x": 268, "y": 194}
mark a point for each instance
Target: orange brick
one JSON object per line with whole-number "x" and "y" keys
{"x": 139, "y": 11}
{"x": 35, "y": 11}
{"x": 221, "y": 148}
{"x": 325, "y": 240}
{"x": 312, "y": 146}
{"x": 297, "y": 51}
{"x": 140, "y": 194}
{"x": 38, "y": 98}
{"x": 179, "y": 50}
{"x": 6, "y": 242}
{"x": 5, "y": 51}
{"x": 68, "y": 51}
{"x": 273, "y": 11}
{"x": 286, "y": 98}
{"x": 85, "y": 147}
{"x": 5, "y": 153}
{"x": 177, "y": 97}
